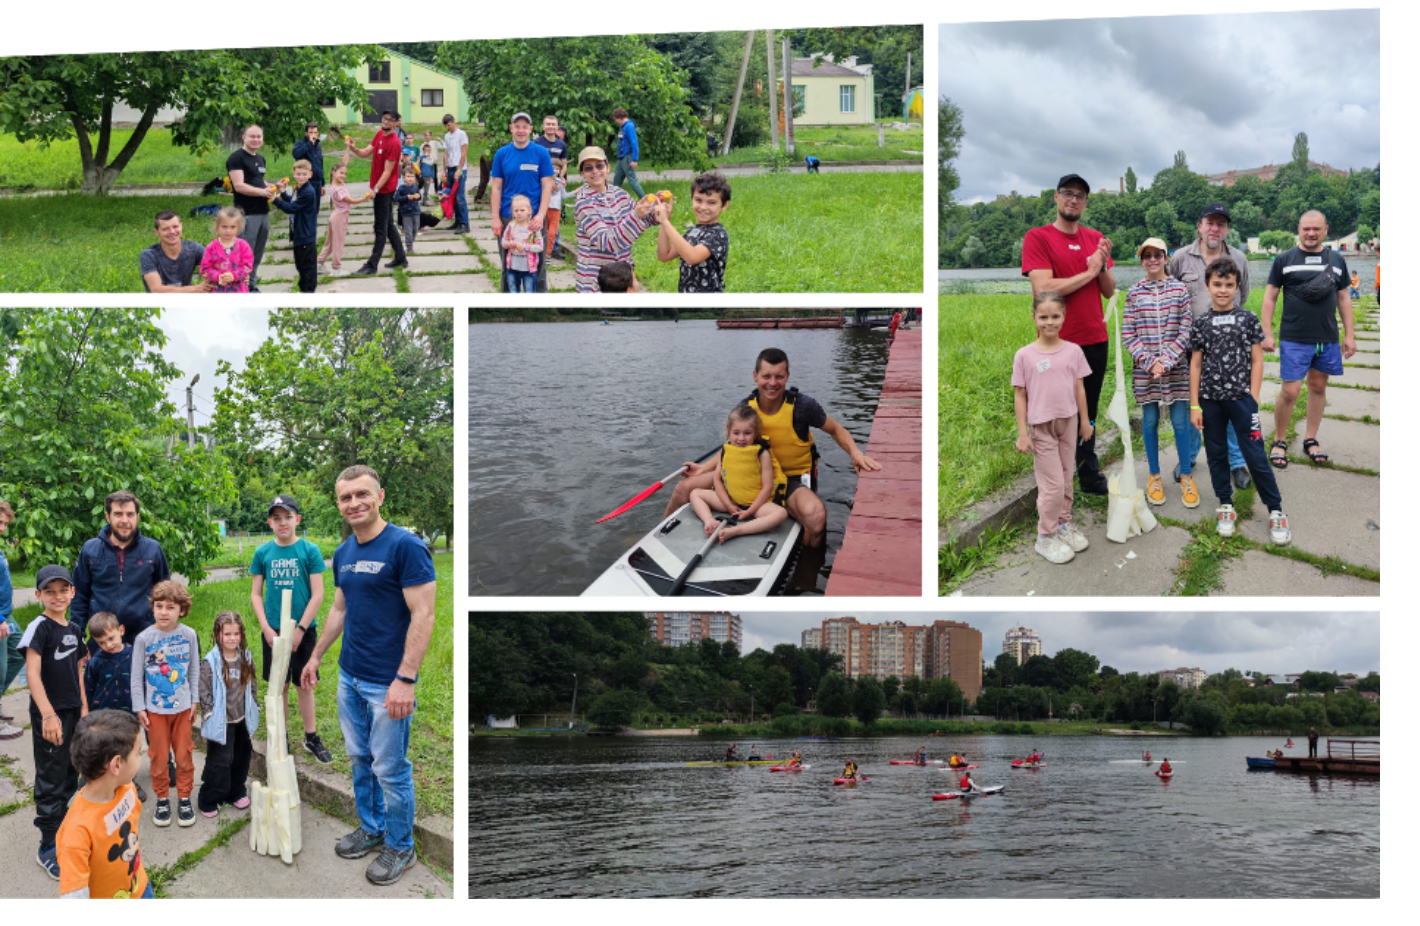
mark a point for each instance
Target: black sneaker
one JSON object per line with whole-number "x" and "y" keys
{"x": 1098, "y": 486}
{"x": 186, "y": 815}
{"x": 390, "y": 866}
{"x": 1242, "y": 479}
{"x": 1178, "y": 469}
{"x": 49, "y": 860}
{"x": 365, "y": 271}
{"x": 316, "y": 748}
{"x": 142, "y": 795}
{"x": 162, "y": 813}
{"x": 358, "y": 844}
{"x": 397, "y": 263}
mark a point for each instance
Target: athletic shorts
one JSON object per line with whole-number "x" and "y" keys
{"x": 299, "y": 656}
{"x": 1297, "y": 358}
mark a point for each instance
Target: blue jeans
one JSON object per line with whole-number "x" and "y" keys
{"x": 522, "y": 281}
{"x": 460, "y": 201}
{"x": 1235, "y": 457}
{"x": 11, "y": 660}
{"x": 379, "y": 757}
{"x": 1178, "y": 415}
{"x": 147, "y": 892}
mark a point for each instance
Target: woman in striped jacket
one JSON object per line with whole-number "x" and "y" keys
{"x": 608, "y": 220}
{"x": 1155, "y": 329}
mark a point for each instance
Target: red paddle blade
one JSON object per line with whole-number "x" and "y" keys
{"x": 636, "y": 500}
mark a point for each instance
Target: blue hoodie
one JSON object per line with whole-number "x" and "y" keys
{"x": 303, "y": 210}
{"x": 99, "y": 585}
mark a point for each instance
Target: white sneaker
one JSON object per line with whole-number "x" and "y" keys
{"x": 1227, "y": 521}
{"x": 1277, "y": 527}
{"x": 1072, "y": 535}
{"x": 1053, "y": 549}
{"x": 8, "y": 732}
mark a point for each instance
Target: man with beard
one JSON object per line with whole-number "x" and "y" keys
{"x": 117, "y": 570}
{"x": 1187, "y": 266}
{"x": 1065, "y": 257}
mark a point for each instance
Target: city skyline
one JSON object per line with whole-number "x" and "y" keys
{"x": 1145, "y": 642}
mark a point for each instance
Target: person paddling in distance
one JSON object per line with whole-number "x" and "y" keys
{"x": 967, "y": 783}
{"x": 850, "y": 770}
{"x": 920, "y": 756}
{"x": 1147, "y": 756}
{"x": 796, "y": 760}
{"x": 747, "y": 484}
{"x": 1166, "y": 768}
{"x": 733, "y": 753}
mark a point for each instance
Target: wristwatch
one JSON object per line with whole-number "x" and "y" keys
{"x": 406, "y": 679}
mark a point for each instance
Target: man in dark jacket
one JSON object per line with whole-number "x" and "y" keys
{"x": 308, "y": 149}
{"x": 117, "y": 570}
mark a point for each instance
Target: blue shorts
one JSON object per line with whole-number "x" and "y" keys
{"x": 1297, "y": 358}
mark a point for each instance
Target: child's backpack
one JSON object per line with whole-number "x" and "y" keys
{"x": 209, "y": 210}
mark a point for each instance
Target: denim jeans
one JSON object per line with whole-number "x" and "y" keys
{"x": 1182, "y": 429}
{"x": 379, "y": 757}
{"x": 461, "y": 201}
{"x": 12, "y": 661}
{"x": 521, "y": 281}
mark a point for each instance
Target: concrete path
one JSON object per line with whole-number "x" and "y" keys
{"x": 230, "y": 870}
{"x": 1334, "y": 513}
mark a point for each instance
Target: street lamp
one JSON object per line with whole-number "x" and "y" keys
{"x": 572, "y": 718}
{"x": 751, "y": 704}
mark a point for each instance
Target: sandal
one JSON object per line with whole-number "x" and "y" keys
{"x": 1278, "y": 457}
{"x": 1309, "y": 447}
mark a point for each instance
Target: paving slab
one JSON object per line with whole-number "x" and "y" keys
{"x": 1353, "y": 403}
{"x": 1350, "y": 443}
{"x": 381, "y": 284}
{"x": 1259, "y": 574}
{"x": 1365, "y": 356}
{"x": 1354, "y": 376}
{"x": 445, "y": 263}
{"x": 276, "y": 271}
{"x": 1331, "y": 513}
{"x": 452, "y": 283}
{"x": 562, "y": 279}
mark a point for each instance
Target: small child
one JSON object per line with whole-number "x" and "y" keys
{"x": 108, "y": 675}
{"x": 1048, "y": 376}
{"x": 407, "y": 195}
{"x": 749, "y": 483}
{"x": 1355, "y": 285}
{"x": 1155, "y": 327}
{"x": 99, "y": 856}
{"x": 53, "y": 652}
{"x": 290, "y": 562}
{"x": 227, "y": 689}
{"x": 164, "y": 692}
{"x": 302, "y": 209}
{"x": 704, "y": 249}
{"x": 1224, "y": 382}
{"x": 446, "y": 197}
{"x": 340, "y": 203}
{"x": 227, "y": 262}
{"x": 523, "y": 247}
{"x": 617, "y": 277}
{"x": 428, "y": 173}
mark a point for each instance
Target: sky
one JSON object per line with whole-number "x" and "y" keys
{"x": 1275, "y": 643}
{"x": 197, "y": 339}
{"x": 1093, "y": 96}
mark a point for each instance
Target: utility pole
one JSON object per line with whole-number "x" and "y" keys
{"x": 773, "y": 93}
{"x": 788, "y": 99}
{"x": 572, "y": 719}
{"x": 739, "y": 88}
{"x": 190, "y": 424}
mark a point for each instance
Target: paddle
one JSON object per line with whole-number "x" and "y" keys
{"x": 681, "y": 579}
{"x": 655, "y": 487}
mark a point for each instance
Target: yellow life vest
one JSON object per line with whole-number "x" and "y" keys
{"x": 795, "y": 454}
{"x": 742, "y": 475}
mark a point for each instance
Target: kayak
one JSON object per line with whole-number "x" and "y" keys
{"x": 787, "y": 768}
{"x": 958, "y": 768}
{"x": 1017, "y": 763}
{"x": 847, "y": 781}
{"x": 1164, "y": 775}
{"x": 752, "y": 564}
{"x": 911, "y": 762}
{"x": 741, "y": 762}
{"x": 980, "y": 792}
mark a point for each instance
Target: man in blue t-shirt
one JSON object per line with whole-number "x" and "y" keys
{"x": 628, "y": 152}
{"x": 384, "y": 593}
{"x": 520, "y": 168}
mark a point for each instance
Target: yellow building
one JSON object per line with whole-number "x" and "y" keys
{"x": 422, "y": 94}
{"x": 834, "y": 93}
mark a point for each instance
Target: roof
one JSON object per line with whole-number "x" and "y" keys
{"x": 804, "y": 67}
{"x": 424, "y": 64}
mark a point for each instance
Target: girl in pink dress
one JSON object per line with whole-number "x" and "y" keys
{"x": 340, "y": 203}
{"x": 227, "y": 262}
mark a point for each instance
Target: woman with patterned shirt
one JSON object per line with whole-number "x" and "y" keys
{"x": 1155, "y": 328}
{"x": 608, "y": 220}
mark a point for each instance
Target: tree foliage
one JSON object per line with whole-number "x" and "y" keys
{"x": 1131, "y": 180}
{"x": 950, "y": 133}
{"x": 84, "y": 411}
{"x": 835, "y": 696}
{"x": 868, "y": 699}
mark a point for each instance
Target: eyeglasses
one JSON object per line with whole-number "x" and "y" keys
{"x": 1071, "y": 196}
{"x": 593, "y": 165}
{"x": 1154, "y": 255}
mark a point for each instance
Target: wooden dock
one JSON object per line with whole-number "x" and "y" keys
{"x": 882, "y": 543}
{"x": 1343, "y": 757}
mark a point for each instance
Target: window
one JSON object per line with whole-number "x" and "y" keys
{"x": 799, "y": 97}
{"x": 431, "y": 98}
{"x": 326, "y": 102}
{"x": 845, "y": 98}
{"x": 380, "y": 72}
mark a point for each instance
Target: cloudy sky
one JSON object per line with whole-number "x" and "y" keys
{"x": 1146, "y": 641}
{"x": 198, "y": 338}
{"x": 1094, "y": 96}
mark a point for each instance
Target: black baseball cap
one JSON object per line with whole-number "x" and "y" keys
{"x": 392, "y": 113}
{"x": 1072, "y": 178}
{"x": 48, "y": 574}
{"x": 284, "y": 501}
{"x": 1217, "y": 209}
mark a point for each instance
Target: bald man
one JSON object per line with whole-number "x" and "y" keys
{"x": 246, "y": 168}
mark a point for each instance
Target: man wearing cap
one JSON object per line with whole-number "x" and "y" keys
{"x": 384, "y": 151}
{"x": 117, "y": 570}
{"x": 246, "y": 169}
{"x": 520, "y": 168}
{"x": 456, "y": 168}
{"x": 1187, "y": 266}
{"x": 1066, "y": 258}
{"x": 1308, "y": 345}
{"x": 290, "y": 563}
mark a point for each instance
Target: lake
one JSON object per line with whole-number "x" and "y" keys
{"x": 624, "y": 817}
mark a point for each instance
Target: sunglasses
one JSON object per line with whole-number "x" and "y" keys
{"x": 593, "y": 165}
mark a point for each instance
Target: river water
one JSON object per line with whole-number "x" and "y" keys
{"x": 569, "y": 420}
{"x": 624, "y": 817}
{"x": 1126, "y": 276}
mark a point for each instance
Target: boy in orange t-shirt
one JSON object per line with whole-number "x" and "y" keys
{"x": 98, "y": 841}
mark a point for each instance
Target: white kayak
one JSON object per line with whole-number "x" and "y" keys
{"x": 750, "y": 564}
{"x": 979, "y": 792}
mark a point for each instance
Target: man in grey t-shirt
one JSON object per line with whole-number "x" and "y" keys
{"x": 167, "y": 267}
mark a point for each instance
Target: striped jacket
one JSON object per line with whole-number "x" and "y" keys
{"x": 606, "y": 230}
{"x": 1155, "y": 326}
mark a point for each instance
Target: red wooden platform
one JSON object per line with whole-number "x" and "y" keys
{"x": 882, "y": 543}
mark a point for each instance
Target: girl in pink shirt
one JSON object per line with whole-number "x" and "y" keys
{"x": 227, "y": 262}
{"x": 1048, "y": 378}
{"x": 340, "y": 203}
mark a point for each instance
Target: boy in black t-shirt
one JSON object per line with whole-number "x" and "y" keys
{"x": 704, "y": 249}
{"x": 1225, "y": 378}
{"x": 53, "y": 653}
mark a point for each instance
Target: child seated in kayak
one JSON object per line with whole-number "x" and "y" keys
{"x": 748, "y": 483}
{"x": 850, "y": 770}
{"x": 733, "y": 753}
{"x": 796, "y": 760}
{"x": 956, "y": 761}
{"x": 920, "y": 756}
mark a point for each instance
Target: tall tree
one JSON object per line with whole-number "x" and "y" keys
{"x": 834, "y": 697}
{"x": 868, "y": 700}
{"x": 1131, "y": 180}
{"x": 1301, "y": 152}
{"x": 1180, "y": 160}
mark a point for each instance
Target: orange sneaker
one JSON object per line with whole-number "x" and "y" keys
{"x": 1155, "y": 492}
{"x": 1190, "y": 492}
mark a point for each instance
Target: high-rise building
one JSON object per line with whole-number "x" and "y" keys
{"x": 676, "y": 628}
{"x": 1023, "y": 643}
{"x": 1184, "y": 678}
{"x": 812, "y": 638}
{"x": 942, "y": 649}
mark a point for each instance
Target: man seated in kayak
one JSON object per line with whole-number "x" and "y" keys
{"x": 733, "y": 753}
{"x": 920, "y": 757}
{"x": 796, "y": 761}
{"x": 966, "y": 783}
{"x": 1166, "y": 768}
{"x": 1034, "y": 757}
{"x": 956, "y": 761}
{"x": 786, "y": 418}
{"x": 850, "y": 770}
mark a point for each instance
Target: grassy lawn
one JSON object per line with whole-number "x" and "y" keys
{"x": 852, "y": 233}
{"x": 31, "y": 165}
{"x": 234, "y": 553}
{"x": 431, "y": 740}
{"x": 842, "y": 143}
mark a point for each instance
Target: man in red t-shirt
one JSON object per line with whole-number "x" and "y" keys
{"x": 1074, "y": 261}
{"x": 383, "y": 151}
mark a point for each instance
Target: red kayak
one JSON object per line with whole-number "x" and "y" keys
{"x": 847, "y": 781}
{"x": 1020, "y": 763}
{"x": 787, "y": 768}
{"x": 1164, "y": 775}
{"x": 958, "y": 768}
{"x": 912, "y": 762}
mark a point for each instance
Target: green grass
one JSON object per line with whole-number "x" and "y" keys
{"x": 841, "y": 143}
{"x": 431, "y": 739}
{"x": 235, "y": 553}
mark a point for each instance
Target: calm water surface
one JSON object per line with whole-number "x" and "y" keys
{"x": 569, "y": 420}
{"x": 624, "y": 817}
